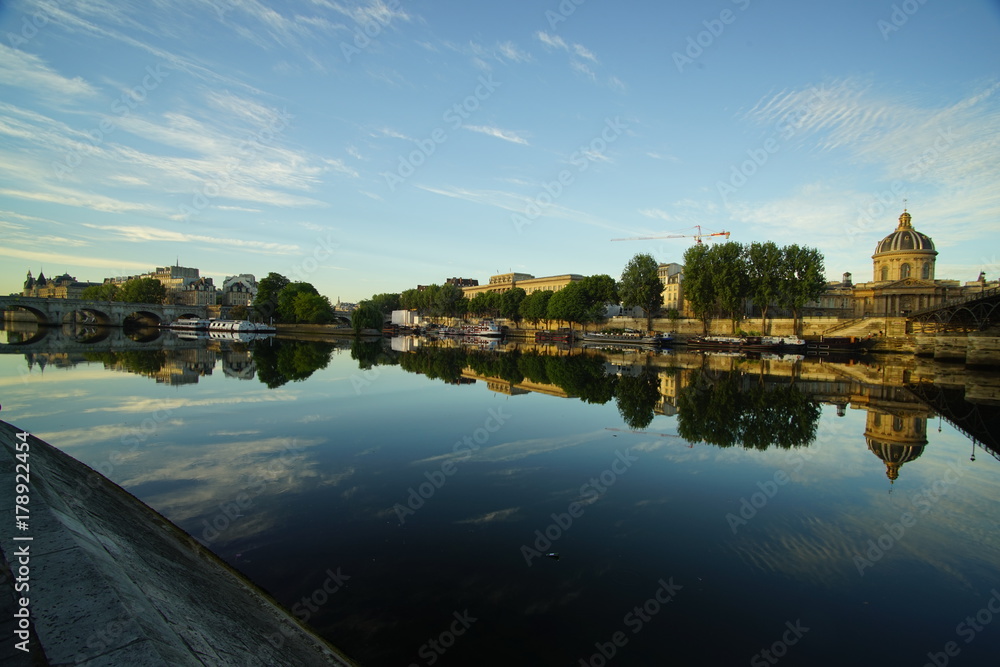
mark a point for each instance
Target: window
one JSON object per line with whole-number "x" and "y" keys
{"x": 904, "y": 271}
{"x": 926, "y": 274}
{"x": 885, "y": 273}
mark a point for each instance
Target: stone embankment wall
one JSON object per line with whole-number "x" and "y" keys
{"x": 111, "y": 582}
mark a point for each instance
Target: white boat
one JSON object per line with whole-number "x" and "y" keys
{"x": 189, "y": 324}
{"x": 240, "y": 326}
{"x": 485, "y": 329}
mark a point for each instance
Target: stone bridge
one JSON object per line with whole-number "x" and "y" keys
{"x": 54, "y": 312}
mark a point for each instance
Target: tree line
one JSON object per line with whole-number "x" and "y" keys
{"x": 581, "y": 302}
{"x": 720, "y": 280}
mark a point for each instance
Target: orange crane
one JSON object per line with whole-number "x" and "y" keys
{"x": 697, "y": 237}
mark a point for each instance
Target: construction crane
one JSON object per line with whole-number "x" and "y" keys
{"x": 697, "y": 237}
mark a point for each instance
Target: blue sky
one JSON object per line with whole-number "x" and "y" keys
{"x": 372, "y": 146}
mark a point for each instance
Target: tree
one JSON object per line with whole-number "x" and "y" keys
{"x": 103, "y": 292}
{"x": 640, "y": 285}
{"x": 142, "y": 290}
{"x": 730, "y": 278}
{"x": 535, "y": 306}
{"x": 803, "y": 279}
{"x": 699, "y": 288}
{"x": 510, "y": 303}
{"x": 764, "y": 268}
{"x": 312, "y": 308}
{"x": 386, "y": 302}
{"x": 446, "y": 300}
{"x": 265, "y": 304}
{"x": 286, "y": 300}
{"x": 569, "y": 304}
{"x": 239, "y": 312}
{"x": 367, "y": 316}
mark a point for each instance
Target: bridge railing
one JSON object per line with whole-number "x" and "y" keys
{"x": 958, "y": 301}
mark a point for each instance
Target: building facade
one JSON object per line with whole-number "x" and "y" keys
{"x": 61, "y": 287}
{"x": 505, "y": 281}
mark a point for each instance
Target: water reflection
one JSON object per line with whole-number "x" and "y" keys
{"x": 301, "y": 470}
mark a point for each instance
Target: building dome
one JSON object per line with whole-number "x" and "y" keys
{"x": 905, "y": 238}
{"x": 906, "y": 253}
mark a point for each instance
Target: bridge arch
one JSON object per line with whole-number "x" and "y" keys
{"x": 144, "y": 317}
{"x": 43, "y": 319}
{"x": 91, "y": 316}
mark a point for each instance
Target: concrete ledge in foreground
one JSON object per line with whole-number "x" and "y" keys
{"x": 111, "y": 582}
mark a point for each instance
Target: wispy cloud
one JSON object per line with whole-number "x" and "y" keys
{"x": 506, "y": 135}
{"x": 136, "y": 234}
{"x": 27, "y": 71}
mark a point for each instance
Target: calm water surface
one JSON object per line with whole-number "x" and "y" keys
{"x": 705, "y": 510}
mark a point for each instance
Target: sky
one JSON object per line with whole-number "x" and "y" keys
{"x": 371, "y": 146}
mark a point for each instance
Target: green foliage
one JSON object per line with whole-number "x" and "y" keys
{"x": 239, "y": 312}
{"x": 436, "y": 300}
{"x": 637, "y": 396}
{"x": 510, "y": 303}
{"x": 386, "y": 303}
{"x": 730, "y": 278}
{"x": 640, "y": 285}
{"x": 312, "y": 309}
{"x": 734, "y": 409}
{"x": 104, "y": 292}
{"x": 265, "y": 303}
{"x": 367, "y": 316}
{"x": 764, "y": 263}
{"x": 721, "y": 277}
{"x": 699, "y": 288}
{"x": 282, "y": 361}
{"x": 287, "y": 298}
{"x": 142, "y": 290}
{"x": 535, "y": 306}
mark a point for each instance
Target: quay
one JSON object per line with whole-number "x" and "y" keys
{"x": 109, "y": 581}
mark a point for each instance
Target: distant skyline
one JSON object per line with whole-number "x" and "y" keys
{"x": 371, "y": 146}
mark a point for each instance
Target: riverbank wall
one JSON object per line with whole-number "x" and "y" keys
{"x": 108, "y": 581}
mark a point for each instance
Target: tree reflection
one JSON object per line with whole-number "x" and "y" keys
{"x": 140, "y": 362}
{"x": 637, "y": 396}
{"x": 728, "y": 409}
{"x": 282, "y": 361}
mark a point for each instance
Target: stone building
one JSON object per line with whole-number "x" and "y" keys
{"x": 62, "y": 287}
{"x": 239, "y": 290}
{"x": 505, "y": 281}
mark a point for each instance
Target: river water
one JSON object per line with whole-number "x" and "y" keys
{"x": 444, "y": 505}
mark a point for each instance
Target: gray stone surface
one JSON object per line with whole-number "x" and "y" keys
{"x": 114, "y": 583}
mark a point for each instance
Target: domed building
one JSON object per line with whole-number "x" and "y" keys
{"x": 904, "y": 253}
{"x": 903, "y": 275}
